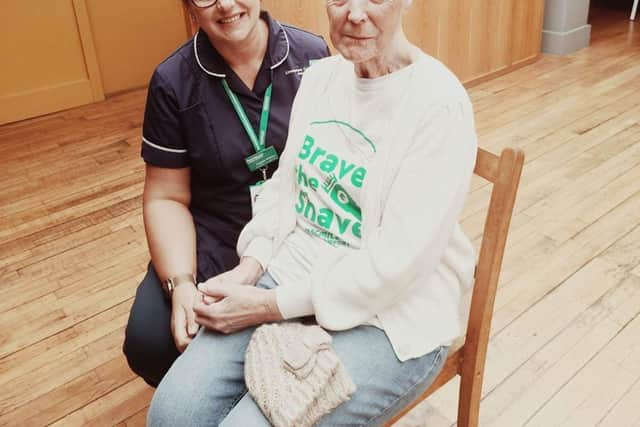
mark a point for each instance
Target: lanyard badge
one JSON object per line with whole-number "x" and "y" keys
{"x": 263, "y": 155}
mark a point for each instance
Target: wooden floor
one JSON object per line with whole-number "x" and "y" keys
{"x": 565, "y": 347}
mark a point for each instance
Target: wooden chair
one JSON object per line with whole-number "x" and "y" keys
{"x": 467, "y": 359}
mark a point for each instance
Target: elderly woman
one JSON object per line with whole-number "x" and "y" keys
{"x": 206, "y": 143}
{"x": 357, "y": 227}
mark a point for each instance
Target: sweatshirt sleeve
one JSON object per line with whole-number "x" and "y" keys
{"x": 421, "y": 211}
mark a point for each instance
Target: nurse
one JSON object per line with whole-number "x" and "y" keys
{"x": 215, "y": 124}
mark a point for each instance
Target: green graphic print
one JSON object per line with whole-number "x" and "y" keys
{"x": 329, "y": 181}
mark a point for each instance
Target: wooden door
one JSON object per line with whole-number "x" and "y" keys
{"x": 48, "y": 58}
{"x": 133, "y": 37}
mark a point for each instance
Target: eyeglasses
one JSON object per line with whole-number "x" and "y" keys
{"x": 203, "y": 4}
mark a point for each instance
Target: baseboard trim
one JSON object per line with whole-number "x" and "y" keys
{"x": 564, "y": 43}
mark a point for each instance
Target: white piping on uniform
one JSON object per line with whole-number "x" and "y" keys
{"x": 195, "y": 50}
{"x": 288, "y": 47}
{"x": 161, "y": 148}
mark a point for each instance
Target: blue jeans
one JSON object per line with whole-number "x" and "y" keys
{"x": 205, "y": 386}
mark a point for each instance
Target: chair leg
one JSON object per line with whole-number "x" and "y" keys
{"x": 469, "y": 400}
{"x": 634, "y": 10}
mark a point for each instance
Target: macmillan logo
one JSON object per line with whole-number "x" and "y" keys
{"x": 338, "y": 215}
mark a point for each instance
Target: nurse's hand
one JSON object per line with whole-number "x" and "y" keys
{"x": 183, "y": 323}
{"x": 237, "y": 307}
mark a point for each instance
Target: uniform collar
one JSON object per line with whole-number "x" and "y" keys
{"x": 212, "y": 63}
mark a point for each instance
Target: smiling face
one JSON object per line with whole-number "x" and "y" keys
{"x": 362, "y": 30}
{"x": 228, "y": 21}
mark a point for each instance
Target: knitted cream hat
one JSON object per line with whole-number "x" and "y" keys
{"x": 293, "y": 374}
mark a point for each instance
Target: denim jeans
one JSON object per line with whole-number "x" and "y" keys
{"x": 205, "y": 386}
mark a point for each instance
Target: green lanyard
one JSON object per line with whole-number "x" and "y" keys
{"x": 263, "y": 155}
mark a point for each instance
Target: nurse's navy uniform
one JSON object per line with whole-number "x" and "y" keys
{"x": 189, "y": 122}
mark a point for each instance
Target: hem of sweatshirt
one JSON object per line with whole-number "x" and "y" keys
{"x": 294, "y": 301}
{"x": 261, "y": 249}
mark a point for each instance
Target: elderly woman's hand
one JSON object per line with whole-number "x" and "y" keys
{"x": 237, "y": 307}
{"x": 247, "y": 272}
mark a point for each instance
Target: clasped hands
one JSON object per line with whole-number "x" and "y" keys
{"x": 225, "y": 303}
{"x": 227, "y": 306}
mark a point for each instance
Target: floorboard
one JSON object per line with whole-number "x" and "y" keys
{"x": 565, "y": 341}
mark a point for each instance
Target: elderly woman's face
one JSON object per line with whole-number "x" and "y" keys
{"x": 362, "y": 29}
{"x": 227, "y": 20}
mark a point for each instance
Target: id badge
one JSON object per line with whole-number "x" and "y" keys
{"x": 255, "y": 191}
{"x": 261, "y": 159}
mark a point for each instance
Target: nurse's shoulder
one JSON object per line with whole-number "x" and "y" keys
{"x": 178, "y": 76}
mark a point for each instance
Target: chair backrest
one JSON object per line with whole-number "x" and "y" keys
{"x": 468, "y": 360}
{"x": 504, "y": 172}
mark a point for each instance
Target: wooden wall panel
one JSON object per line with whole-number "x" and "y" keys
{"x": 527, "y": 23}
{"x": 132, "y": 37}
{"x": 500, "y": 27}
{"x": 421, "y": 24}
{"x": 32, "y": 30}
{"x": 454, "y": 36}
{"x": 114, "y": 45}
{"x": 308, "y": 14}
{"x": 475, "y": 38}
{"x": 489, "y": 36}
{"x": 48, "y": 58}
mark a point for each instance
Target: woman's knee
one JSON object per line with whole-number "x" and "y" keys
{"x": 148, "y": 357}
{"x": 384, "y": 384}
{"x": 148, "y": 345}
{"x": 180, "y": 399}
{"x": 171, "y": 406}
{"x": 204, "y": 383}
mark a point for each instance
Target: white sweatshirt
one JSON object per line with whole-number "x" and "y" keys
{"x": 331, "y": 168}
{"x": 414, "y": 263}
